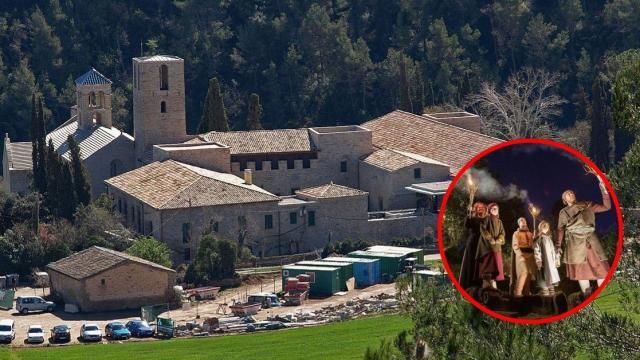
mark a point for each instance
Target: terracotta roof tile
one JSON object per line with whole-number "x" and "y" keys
{"x": 392, "y": 160}
{"x": 408, "y": 132}
{"x": 172, "y": 185}
{"x": 95, "y": 260}
{"x": 261, "y": 141}
{"x": 330, "y": 191}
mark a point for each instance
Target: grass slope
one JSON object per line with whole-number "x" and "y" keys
{"x": 346, "y": 340}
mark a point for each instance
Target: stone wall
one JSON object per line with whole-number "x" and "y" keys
{"x": 98, "y": 164}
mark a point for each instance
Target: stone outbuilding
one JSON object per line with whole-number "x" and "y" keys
{"x": 100, "y": 279}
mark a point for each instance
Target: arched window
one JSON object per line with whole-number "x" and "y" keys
{"x": 92, "y": 99}
{"x": 101, "y": 99}
{"x": 164, "y": 77}
{"x": 163, "y": 107}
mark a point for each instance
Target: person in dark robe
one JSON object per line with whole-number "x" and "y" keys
{"x": 472, "y": 224}
{"x": 489, "y": 253}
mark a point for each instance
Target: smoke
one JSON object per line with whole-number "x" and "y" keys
{"x": 490, "y": 188}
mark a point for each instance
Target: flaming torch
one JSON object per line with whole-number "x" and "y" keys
{"x": 534, "y": 213}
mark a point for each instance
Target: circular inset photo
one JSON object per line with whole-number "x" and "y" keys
{"x": 530, "y": 231}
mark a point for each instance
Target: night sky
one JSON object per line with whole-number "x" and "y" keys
{"x": 546, "y": 172}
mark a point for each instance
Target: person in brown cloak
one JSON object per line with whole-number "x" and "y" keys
{"x": 584, "y": 255}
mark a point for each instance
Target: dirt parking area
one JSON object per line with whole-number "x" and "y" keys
{"x": 205, "y": 309}
{"x": 58, "y": 317}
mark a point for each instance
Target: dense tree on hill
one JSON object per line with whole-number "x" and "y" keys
{"x": 81, "y": 187}
{"x": 599, "y": 146}
{"x": 214, "y": 115}
{"x": 254, "y": 113}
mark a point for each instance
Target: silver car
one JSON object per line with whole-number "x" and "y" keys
{"x": 25, "y": 304}
{"x": 90, "y": 332}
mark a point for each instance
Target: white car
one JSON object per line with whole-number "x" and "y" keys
{"x": 7, "y": 330}
{"x": 90, "y": 332}
{"x": 35, "y": 334}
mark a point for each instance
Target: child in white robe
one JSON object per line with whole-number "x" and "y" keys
{"x": 545, "y": 256}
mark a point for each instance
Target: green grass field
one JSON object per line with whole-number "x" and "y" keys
{"x": 346, "y": 340}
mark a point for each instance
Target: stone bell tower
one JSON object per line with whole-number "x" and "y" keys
{"x": 93, "y": 91}
{"x": 158, "y": 103}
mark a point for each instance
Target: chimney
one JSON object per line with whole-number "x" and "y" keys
{"x": 248, "y": 177}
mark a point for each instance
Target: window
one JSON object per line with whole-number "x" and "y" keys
{"x": 102, "y": 282}
{"x": 139, "y": 220}
{"x": 306, "y": 163}
{"x": 243, "y": 165}
{"x": 101, "y": 99}
{"x": 258, "y": 165}
{"x": 311, "y": 218}
{"x": 274, "y": 165}
{"x": 164, "y": 77}
{"x": 215, "y": 227}
{"x": 125, "y": 210}
{"x": 187, "y": 254}
{"x": 268, "y": 221}
{"x": 92, "y": 99}
{"x": 120, "y": 206}
{"x": 163, "y": 107}
{"x": 343, "y": 166}
{"x": 293, "y": 218}
{"x": 186, "y": 233}
{"x": 115, "y": 167}
{"x": 417, "y": 173}
{"x": 133, "y": 214}
{"x": 291, "y": 164}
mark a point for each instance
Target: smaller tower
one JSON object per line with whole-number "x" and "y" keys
{"x": 93, "y": 92}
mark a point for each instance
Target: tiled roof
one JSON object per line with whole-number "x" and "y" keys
{"x": 19, "y": 155}
{"x": 89, "y": 140}
{"x": 95, "y": 260}
{"x": 261, "y": 141}
{"x": 158, "y": 58}
{"x": 408, "y": 132}
{"x": 392, "y": 160}
{"x": 92, "y": 77}
{"x": 330, "y": 191}
{"x": 171, "y": 185}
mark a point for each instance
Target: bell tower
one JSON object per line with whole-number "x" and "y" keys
{"x": 158, "y": 103}
{"x": 93, "y": 92}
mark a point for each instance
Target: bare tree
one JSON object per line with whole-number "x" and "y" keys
{"x": 522, "y": 109}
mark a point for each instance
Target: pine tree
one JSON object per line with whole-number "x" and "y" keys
{"x": 214, "y": 116}
{"x": 255, "y": 112}
{"x": 81, "y": 185}
{"x": 599, "y": 147}
{"x": 405, "y": 91}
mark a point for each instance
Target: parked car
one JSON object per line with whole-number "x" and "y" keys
{"x": 25, "y": 304}
{"x": 7, "y": 330}
{"x": 90, "y": 332}
{"x": 115, "y": 330}
{"x": 140, "y": 328}
{"x": 60, "y": 333}
{"x": 35, "y": 334}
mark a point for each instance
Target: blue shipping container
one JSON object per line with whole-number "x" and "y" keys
{"x": 365, "y": 271}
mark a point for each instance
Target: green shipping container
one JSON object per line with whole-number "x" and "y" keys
{"x": 324, "y": 280}
{"x": 390, "y": 264}
{"x": 346, "y": 269}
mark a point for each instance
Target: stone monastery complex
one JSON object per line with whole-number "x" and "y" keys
{"x": 276, "y": 191}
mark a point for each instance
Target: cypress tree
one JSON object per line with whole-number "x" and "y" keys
{"x": 37, "y": 146}
{"x": 599, "y": 146}
{"x": 34, "y": 143}
{"x": 68, "y": 206}
{"x": 81, "y": 185}
{"x": 214, "y": 116}
{"x": 42, "y": 148}
{"x": 405, "y": 93}
{"x": 53, "y": 196}
{"x": 255, "y": 111}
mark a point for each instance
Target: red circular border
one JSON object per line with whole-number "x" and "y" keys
{"x": 550, "y": 318}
